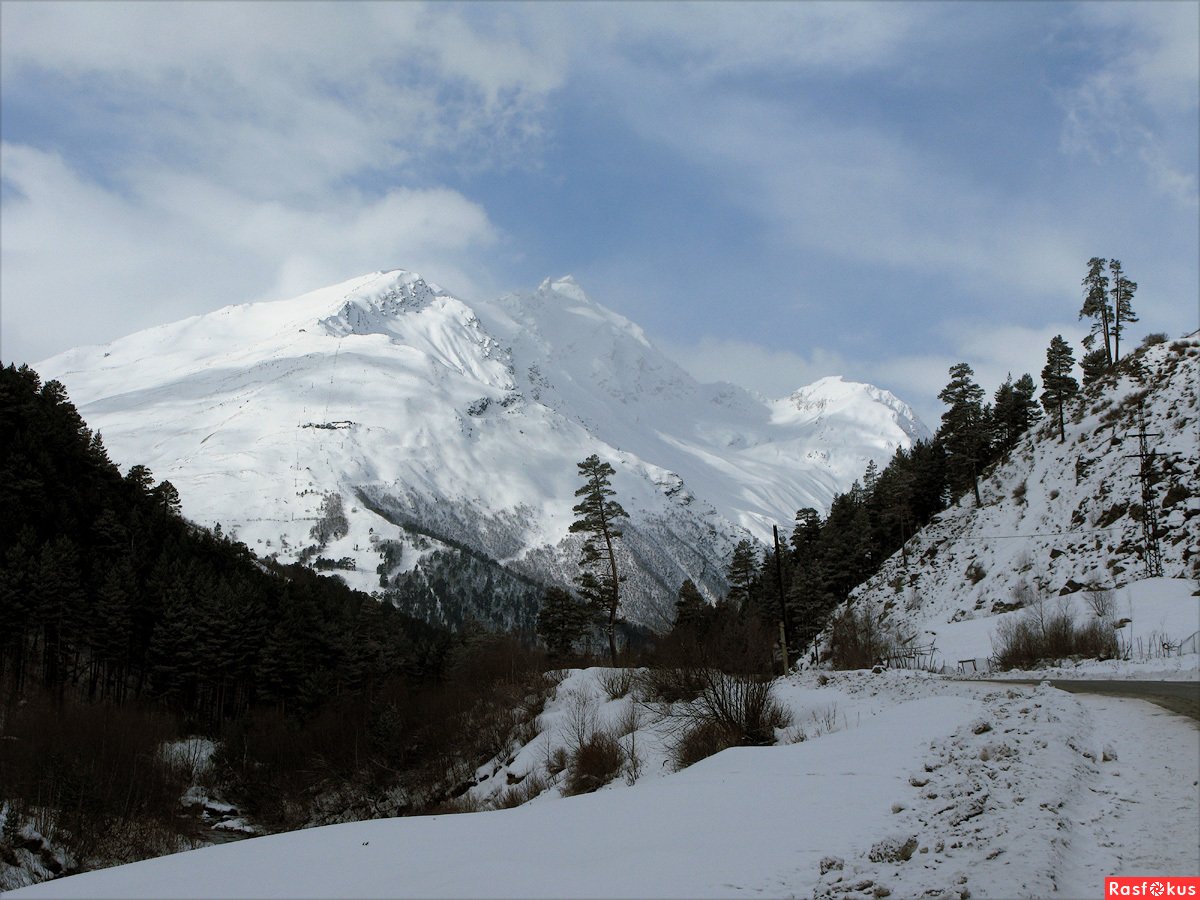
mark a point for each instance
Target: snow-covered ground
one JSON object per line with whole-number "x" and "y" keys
{"x": 901, "y": 782}
{"x": 1159, "y": 621}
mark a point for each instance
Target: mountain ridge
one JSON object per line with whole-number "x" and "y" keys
{"x": 462, "y": 422}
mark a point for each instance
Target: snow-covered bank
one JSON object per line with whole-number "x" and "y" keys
{"x": 1158, "y": 627}
{"x": 927, "y": 784}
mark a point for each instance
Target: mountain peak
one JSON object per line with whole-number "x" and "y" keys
{"x": 565, "y": 286}
{"x": 432, "y": 417}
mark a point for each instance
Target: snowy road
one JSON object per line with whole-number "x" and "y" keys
{"x": 1182, "y": 697}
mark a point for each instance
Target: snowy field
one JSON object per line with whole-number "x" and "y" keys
{"x": 900, "y": 784}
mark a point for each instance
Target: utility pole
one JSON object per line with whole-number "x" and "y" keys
{"x": 1149, "y": 509}
{"x": 784, "y": 631}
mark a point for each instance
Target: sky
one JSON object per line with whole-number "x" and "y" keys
{"x": 774, "y": 192}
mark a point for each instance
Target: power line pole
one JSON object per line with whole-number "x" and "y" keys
{"x": 784, "y": 631}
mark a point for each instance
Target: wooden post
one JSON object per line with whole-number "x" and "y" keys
{"x": 783, "y": 616}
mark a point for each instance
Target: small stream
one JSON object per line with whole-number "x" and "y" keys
{"x": 214, "y": 822}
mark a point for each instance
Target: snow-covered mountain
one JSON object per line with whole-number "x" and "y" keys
{"x": 384, "y": 424}
{"x": 1064, "y": 517}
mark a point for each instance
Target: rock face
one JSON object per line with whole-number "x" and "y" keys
{"x": 413, "y": 443}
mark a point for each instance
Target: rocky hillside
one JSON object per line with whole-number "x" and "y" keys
{"x": 1061, "y": 516}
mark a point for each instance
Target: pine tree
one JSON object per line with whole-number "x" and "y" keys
{"x": 1094, "y": 366}
{"x": 1122, "y": 296}
{"x": 1058, "y": 385}
{"x": 600, "y": 581}
{"x": 1015, "y": 410}
{"x": 742, "y": 573}
{"x": 690, "y": 608}
{"x": 965, "y": 428}
{"x": 167, "y": 498}
{"x": 562, "y": 621}
{"x": 1096, "y": 307}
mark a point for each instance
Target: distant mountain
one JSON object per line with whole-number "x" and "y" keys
{"x": 387, "y": 430}
{"x": 1059, "y": 517}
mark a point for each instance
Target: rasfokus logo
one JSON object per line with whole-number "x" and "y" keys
{"x": 1156, "y": 886}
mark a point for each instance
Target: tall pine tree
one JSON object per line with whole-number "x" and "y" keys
{"x": 598, "y": 517}
{"x": 1058, "y": 384}
{"x": 1096, "y": 307}
{"x": 965, "y": 429}
{"x": 1122, "y": 296}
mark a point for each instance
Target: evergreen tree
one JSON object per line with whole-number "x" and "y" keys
{"x": 807, "y": 532}
{"x": 598, "y": 516}
{"x": 141, "y": 477}
{"x": 742, "y": 573}
{"x": 167, "y": 498}
{"x": 1094, "y": 366}
{"x": 1058, "y": 384}
{"x": 562, "y": 621}
{"x": 690, "y": 608}
{"x": 1122, "y": 296}
{"x": 1014, "y": 411}
{"x": 965, "y": 429}
{"x": 1096, "y": 307}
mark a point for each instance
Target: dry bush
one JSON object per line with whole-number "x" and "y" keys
{"x": 669, "y": 684}
{"x": 524, "y": 791}
{"x": 594, "y": 764}
{"x": 858, "y": 638}
{"x": 1102, "y": 603}
{"x": 617, "y": 682}
{"x": 88, "y": 772}
{"x": 1043, "y": 634}
{"x": 557, "y": 760}
{"x": 730, "y": 711}
{"x": 699, "y": 742}
{"x": 580, "y": 722}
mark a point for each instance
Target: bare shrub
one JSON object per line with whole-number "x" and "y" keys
{"x": 699, "y": 742}
{"x": 825, "y": 720}
{"x": 1102, "y": 603}
{"x": 580, "y": 722}
{"x": 522, "y": 792}
{"x": 731, "y": 710}
{"x": 594, "y": 764}
{"x": 629, "y": 722}
{"x": 1042, "y": 634}
{"x": 1019, "y": 491}
{"x": 669, "y": 684}
{"x": 858, "y": 638}
{"x": 557, "y": 760}
{"x": 466, "y": 803}
{"x": 617, "y": 682}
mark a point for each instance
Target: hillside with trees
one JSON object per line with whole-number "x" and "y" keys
{"x": 124, "y": 627}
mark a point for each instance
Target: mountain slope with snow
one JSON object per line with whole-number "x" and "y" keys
{"x": 1065, "y": 517}
{"x": 412, "y": 441}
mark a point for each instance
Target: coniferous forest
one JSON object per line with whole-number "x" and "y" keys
{"x": 124, "y": 626}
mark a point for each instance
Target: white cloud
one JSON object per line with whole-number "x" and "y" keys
{"x": 993, "y": 352}
{"x": 773, "y": 373}
{"x": 1140, "y": 99}
{"x": 90, "y": 265}
{"x": 275, "y": 98}
{"x": 221, "y": 152}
